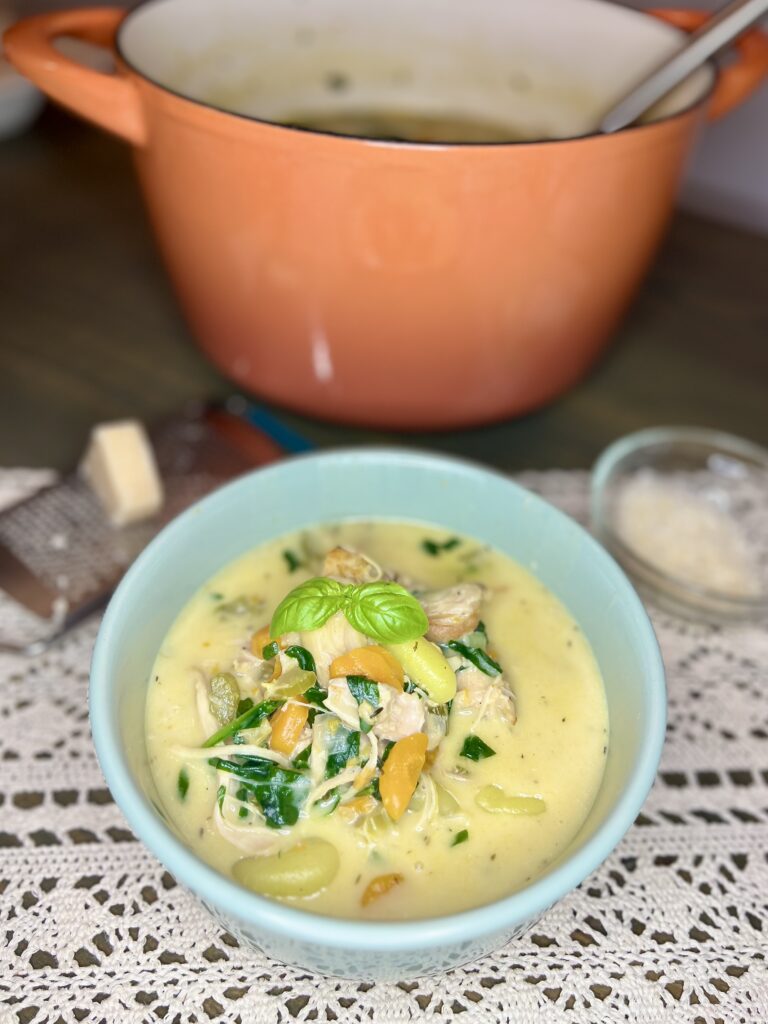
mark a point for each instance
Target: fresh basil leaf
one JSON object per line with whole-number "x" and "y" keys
{"x": 182, "y": 784}
{"x": 247, "y": 720}
{"x": 303, "y": 657}
{"x": 364, "y": 689}
{"x": 475, "y": 749}
{"x": 387, "y": 612}
{"x": 479, "y": 658}
{"x": 292, "y": 561}
{"x": 308, "y": 606}
{"x": 460, "y": 837}
{"x": 434, "y": 547}
{"x": 343, "y": 747}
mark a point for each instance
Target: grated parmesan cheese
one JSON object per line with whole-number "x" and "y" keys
{"x": 685, "y": 535}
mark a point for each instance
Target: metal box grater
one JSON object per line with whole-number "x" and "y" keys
{"x": 60, "y": 557}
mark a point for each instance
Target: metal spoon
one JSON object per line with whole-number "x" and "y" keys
{"x": 721, "y": 29}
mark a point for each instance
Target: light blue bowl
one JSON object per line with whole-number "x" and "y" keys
{"x": 394, "y": 484}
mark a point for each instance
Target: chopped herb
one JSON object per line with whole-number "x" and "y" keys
{"x": 302, "y": 760}
{"x": 216, "y": 596}
{"x": 477, "y": 656}
{"x": 221, "y": 792}
{"x": 476, "y": 749}
{"x": 315, "y": 695}
{"x": 291, "y": 560}
{"x": 279, "y": 792}
{"x": 386, "y": 752}
{"x": 460, "y": 837}
{"x": 302, "y": 656}
{"x": 242, "y": 812}
{"x": 182, "y": 783}
{"x": 409, "y": 686}
{"x": 434, "y": 547}
{"x": 247, "y": 720}
{"x": 271, "y": 650}
{"x": 344, "y": 747}
{"x": 244, "y": 705}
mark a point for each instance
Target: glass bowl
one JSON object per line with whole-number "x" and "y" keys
{"x": 685, "y": 511}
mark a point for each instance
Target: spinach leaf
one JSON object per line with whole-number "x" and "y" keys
{"x": 292, "y": 560}
{"x": 303, "y": 657}
{"x": 343, "y": 747}
{"x": 460, "y": 837}
{"x": 302, "y": 760}
{"x": 364, "y": 689}
{"x": 386, "y": 752}
{"x": 270, "y": 650}
{"x": 182, "y": 784}
{"x": 247, "y": 720}
{"x": 434, "y": 547}
{"x": 244, "y": 705}
{"x": 279, "y": 792}
{"x": 475, "y": 749}
{"x": 477, "y": 656}
{"x": 315, "y": 695}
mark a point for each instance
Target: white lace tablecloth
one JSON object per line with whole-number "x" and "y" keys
{"x": 673, "y": 927}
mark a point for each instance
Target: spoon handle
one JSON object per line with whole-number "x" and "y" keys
{"x": 720, "y": 30}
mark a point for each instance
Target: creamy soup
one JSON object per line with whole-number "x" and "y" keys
{"x": 407, "y": 126}
{"x": 425, "y": 733}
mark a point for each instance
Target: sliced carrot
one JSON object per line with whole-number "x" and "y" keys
{"x": 401, "y": 772}
{"x": 261, "y": 638}
{"x": 287, "y": 725}
{"x": 373, "y": 662}
{"x": 379, "y": 886}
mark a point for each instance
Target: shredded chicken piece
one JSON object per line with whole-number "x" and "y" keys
{"x": 481, "y": 694}
{"x": 341, "y": 702}
{"x": 368, "y": 770}
{"x": 351, "y": 566}
{"x": 403, "y": 715}
{"x": 333, "y": 639}
{"x": 348, "y": 775}
{"x": 250, "y": 838}
{"x": 452, "y": 612}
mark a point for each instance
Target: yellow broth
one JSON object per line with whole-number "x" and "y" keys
{"x": 555, "y": 751}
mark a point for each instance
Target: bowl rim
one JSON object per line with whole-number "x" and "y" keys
{"x": 692, "y": 597}
{"x": 384, "y": 936}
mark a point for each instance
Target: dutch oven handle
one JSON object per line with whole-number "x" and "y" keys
{"x": 737, "y": 81}
{"x": 110, "y": 100}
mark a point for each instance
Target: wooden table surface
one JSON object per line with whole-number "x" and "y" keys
{"x": 89, "y": 330}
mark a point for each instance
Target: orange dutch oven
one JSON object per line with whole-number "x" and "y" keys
{"x": 393, "y": 284}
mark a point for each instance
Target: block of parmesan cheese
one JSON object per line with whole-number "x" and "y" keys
{"x": 119, "y": 466}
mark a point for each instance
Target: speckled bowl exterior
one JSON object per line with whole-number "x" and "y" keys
{"x": 383, "y": 483}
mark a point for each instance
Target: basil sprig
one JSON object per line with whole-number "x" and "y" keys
{"x": 383, "y": 610}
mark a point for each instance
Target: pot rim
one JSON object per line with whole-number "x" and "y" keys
{"x": 294, "y": 130}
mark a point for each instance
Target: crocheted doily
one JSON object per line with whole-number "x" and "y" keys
{"x": 671, "y": 928}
